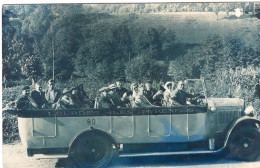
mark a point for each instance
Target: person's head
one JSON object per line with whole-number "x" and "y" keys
{"x": 38, "y": 87}
{"x": 51, "y": 84}
{"x": 119, "y": 82}
{"x": 25, "y": 90}
{"x": 180, "y": 85}
{"x": 112, "y": 89}
{"x": 103, "y": 91}
{"x": 169, "y": 85}
{"x": 141, "y": 88}
{"x": 134, "y": 87}
{"x": 148, "y": 85}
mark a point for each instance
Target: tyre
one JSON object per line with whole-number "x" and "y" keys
{"x": 244, "y": 144}
{"x": 93, "y": 150}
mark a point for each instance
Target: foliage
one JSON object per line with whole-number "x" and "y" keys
{"x": 143, "y": 67}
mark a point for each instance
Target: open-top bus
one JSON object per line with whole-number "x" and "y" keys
{"x": 93, "y": 137}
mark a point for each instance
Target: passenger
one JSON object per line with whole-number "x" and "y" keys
{"x": 80, "y": 100}
{"x": 39, "y": 96}
{"x": 25, "y": 102}
{"x": 120, "y": 89}
{"x": 167, "y": 94}
{"x": 140, "y": 99}
{"x": 134, "y": 90}
{"x": 158, "y": 97}
{"x": 104, "y": 100}
{"x": 149, "y": 92}
{"x": 180, "y": 96}
{"x": 82, "y": 95}
{"x": 126, "y": 99}
{"x": 76, "y": 99}
{"x": 51, "y": 94}
{"x": 115, "y": 99}
{"x": 65, "y": 101}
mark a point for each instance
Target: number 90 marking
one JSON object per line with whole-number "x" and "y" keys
{"x": 91, "y": 121}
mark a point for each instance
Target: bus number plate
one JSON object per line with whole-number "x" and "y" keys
{"x": 91, "y": 121}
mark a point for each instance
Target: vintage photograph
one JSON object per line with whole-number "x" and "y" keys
{"x": 131, "y": 85}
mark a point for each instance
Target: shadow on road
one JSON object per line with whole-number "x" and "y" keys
{"x": 203, "y": 160}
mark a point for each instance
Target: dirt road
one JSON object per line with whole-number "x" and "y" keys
{"x": 14, "y": 156}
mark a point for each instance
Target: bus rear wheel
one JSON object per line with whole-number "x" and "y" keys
{"x": 93, "y": 150}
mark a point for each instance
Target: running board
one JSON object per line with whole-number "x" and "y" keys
{"x": 51, "y": 156}
{"x": 169, "y": 153}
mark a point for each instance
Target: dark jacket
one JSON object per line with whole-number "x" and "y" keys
{"x": 120, "y": 91}
{"x": 23, "y": 103}
{"x": 105, "y": 102}
{"x": 149, "y": 94}
{"x": 39, "y": 98}
{"x": 181, "y": 96}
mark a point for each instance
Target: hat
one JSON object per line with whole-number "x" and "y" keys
{"x": 65, "y": 90}
{"x": 26, "y": 88}
{"x": 132, "y": 86}
{"x": 167, "y": 84}
{"x": 103, "y": 89}
{"x": 112, "y": 86}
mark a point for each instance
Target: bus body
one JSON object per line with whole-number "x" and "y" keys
{"x": 41, "y": 129}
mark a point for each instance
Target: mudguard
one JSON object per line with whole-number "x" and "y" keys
{"x": 242, "y": 121}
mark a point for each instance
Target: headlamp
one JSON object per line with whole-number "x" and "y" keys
{"x": 250, "y": 111}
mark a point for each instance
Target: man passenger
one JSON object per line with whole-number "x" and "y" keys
{"x": 51, "y": 94}
{"x": 39, "y": 96}
{"x": 65, "y": 101}
{"x": 180, "y": 96}
{"x": 120, "y": 90}
{"x": 104, "y": 100}
{"x": 25, "y": 101}
{"x": 149, "y": 91}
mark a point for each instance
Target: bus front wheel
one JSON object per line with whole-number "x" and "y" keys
{"x": 93, "y": 150}
{"x": 245, "y": 144}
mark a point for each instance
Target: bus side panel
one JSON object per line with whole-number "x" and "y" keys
{"x": 159, "y": 125}
{"x": 196, "y": 128}
{"x": 25, "y": 126}
{"x": 123, "y": 126}
{"x": 69, "y": 128}
{"x": 44, "y": 127}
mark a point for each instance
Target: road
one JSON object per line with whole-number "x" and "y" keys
{"x": 14, "y": 155}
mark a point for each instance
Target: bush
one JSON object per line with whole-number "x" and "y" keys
{"x": 10, "y": 125}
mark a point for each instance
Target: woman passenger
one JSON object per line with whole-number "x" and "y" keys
{"x": 167, "y": 93}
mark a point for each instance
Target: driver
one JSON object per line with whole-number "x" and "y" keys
{"x": 180, "y": 96}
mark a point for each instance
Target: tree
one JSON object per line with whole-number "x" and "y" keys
{"x": 144, "y": 67}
